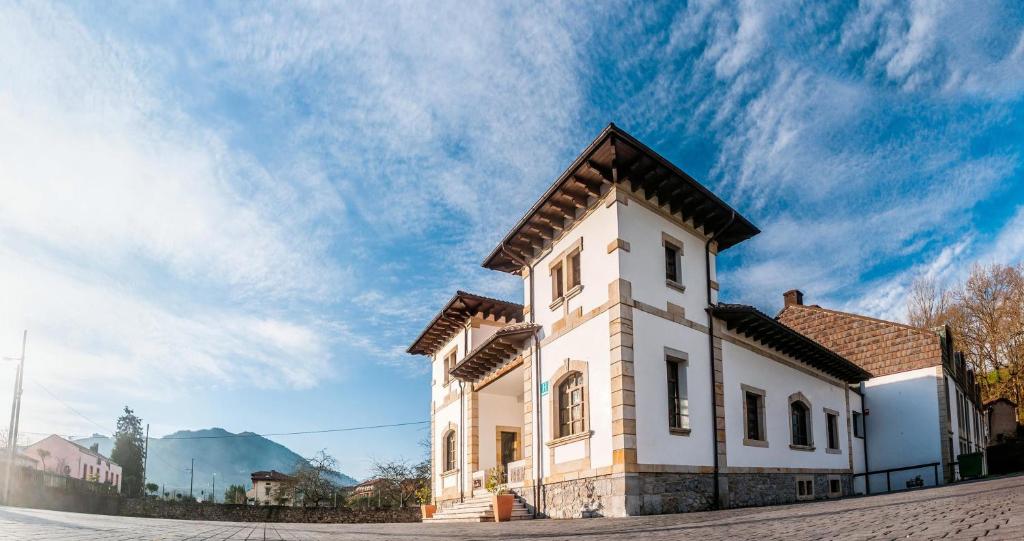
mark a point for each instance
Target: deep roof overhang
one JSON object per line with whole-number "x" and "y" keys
{"x": 754, "y": 324}
{"x": 499, "y": 348}
{"x": 616, "y": 158}
{"x": 453, "y": 317}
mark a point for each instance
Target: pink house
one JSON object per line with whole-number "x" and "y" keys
{"x": 58, "y": 455}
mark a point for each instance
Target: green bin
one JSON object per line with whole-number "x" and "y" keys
{"x": 970, "y": 465}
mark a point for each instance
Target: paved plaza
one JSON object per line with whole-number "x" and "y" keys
{"x": 990, "y": 509}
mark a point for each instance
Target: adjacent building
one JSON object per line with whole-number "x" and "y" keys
{"x": 58, "y": 455}
{"x": 620, "y": 385}
{"x": 922, "y": 409}
{"x": 271, "y": 488}
{"x": 1001, "y": 418}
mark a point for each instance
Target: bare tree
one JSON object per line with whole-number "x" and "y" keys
{"x": 313, "y": 478}
{"x": 929, "y": 304}
{"x": 399, "y": 480}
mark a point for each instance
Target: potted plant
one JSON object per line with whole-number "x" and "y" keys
{"x": 501, "y": 499}
{"x": 427, "y": 509}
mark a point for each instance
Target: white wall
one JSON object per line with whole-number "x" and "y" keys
{"x": 655, "y": 445}
{"x": 644, "y": 264}
{"x": 742, "y": 366}
{"x": 444, "y": 415}
{"x": 858, "y": 445}
{"x": 903, "y": 426}
{"x": 597, "y": 268}
{"x": 589, "y": 342}
{"x": 497, "y": 410}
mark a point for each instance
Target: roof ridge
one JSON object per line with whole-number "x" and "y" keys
{"x": 859, "y": 316}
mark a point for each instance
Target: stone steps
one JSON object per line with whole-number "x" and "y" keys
{"x": 477, "y": 509}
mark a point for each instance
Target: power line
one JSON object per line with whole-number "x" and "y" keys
{"x": 323, "y": 431}
{"x": 68, "y": 406}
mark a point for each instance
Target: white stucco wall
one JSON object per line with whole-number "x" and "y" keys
{"x": 445, "y": 414}
{"x": 588, "y": 342}
{"x": 644, "y": 265}
{"x": 597, "y": 268}
{"x": 497, "y": 410}
{"x": 655, "y": 444}
{"x": 857, "y": 445}
{"x": 742, "y": 366}
{"x": 903, "y": 425}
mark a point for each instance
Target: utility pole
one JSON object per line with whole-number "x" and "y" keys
{"x": 191, "y": 477}
{"x": 12, "y": 432}
{"x": 214, "y": 493}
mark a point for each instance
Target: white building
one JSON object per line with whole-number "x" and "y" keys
{"x": 621, "y": 386}
{"x": 923, "y": 406}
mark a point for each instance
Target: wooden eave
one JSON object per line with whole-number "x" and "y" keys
{"x": 498, "y": 350}
{"x": 456, "y": 313}
{"x": 615, "y": 158}
{"x": 758, "y": 326}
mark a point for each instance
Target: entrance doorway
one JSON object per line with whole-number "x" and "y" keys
{"x": 508, "y": 449}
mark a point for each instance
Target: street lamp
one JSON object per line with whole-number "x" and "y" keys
{"x": 12, "y": 432}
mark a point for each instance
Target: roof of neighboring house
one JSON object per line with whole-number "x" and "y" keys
{"x": 993, "y": 402}
{"x": 272, "y": 475}
{"x": 759, "y": 326}
{"x": 880, "y": 347}
{"x": 451, "y": 319}
{"x": 81, "y": 448}
{"x": 616, "y": 158}
{"x": 493, "y": 352}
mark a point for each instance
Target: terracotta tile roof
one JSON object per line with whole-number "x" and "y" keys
{"x": 878, "y": 346}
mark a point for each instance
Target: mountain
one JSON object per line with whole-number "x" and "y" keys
{"x": 215, "y": 450}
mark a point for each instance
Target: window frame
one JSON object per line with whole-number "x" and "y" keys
{"x": 678, "y": 406}
{"x": 761, "y": 395}
{"x": 668, "y": 242}
{"x": 451, "y": 356}
{"x": 857, "y": 418}
{"x": 566, "y": 271}
{"x": 553, "y": 403}
{"x": 566, "y": 405}
{"x": 805, "y": 404}
{"x": 449, "y": 453}
{"x": 832, "y": 430}
{"x": 804, "y": 487}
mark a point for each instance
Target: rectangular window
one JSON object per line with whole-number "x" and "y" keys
{"x": 678, "y": 404}
{"x": 671, "y": 263}
{"x": 805, "y": 489}
{"x": 557, "y": 290}
{"x": 753, "y": 404}
{"x": 574, "y": 270}
{"x": 858, "y": 424}
{"x": 449, "y": 364}
{"x": 832, "y": 424}
{"x": 835, "y": 487}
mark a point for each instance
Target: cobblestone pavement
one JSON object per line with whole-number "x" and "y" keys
{"x": 990, "y": 509}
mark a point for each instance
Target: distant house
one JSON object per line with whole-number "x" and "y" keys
{"x": 368, "y": 492}
{"x": 271, "y": 488}
{"x": 1001, "y": 415}
{"x": 58, "y": 455}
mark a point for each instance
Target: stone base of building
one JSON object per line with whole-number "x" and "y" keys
{"x": 619, "y": 495}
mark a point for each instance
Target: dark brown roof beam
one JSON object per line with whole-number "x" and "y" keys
{"x": 554, "y": 219}
{"x": 604, "y": 172}
{"x": 667, "y": 192}
{"x": 652, "y": 179}
{"x": 682, "y": 204}
{"x": 568, "y": 209}
{"x": 637, "y": 171}
{"x": 575, "y": 194}
{"x": 592, "y": 188}
{"x": 689, "y": 210}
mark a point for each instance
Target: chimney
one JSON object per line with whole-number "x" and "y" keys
{"x": 793, "y": 296}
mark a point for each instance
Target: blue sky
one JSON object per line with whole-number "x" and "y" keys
{"x": 241, "y": 214}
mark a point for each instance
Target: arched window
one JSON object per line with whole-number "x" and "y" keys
{"x": 800, "y": 422}
{"x": 449, "y": 451}
{"x": 570, "y": 405}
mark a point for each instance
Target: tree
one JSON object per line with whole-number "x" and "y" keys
{"x": 313, "y": 478}
{"x": 151, "y": 488}
{"x": 235, "y": 494}
{"x": 43, "y": 454}
{"x": 129, "y": 445}
{"x": 929, "y": 304}
{"x": 398, "y": 480}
